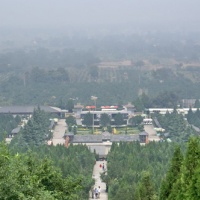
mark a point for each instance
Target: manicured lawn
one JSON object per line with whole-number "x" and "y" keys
{"x": 122, "y": 130}
{"x": 128, "y": 130}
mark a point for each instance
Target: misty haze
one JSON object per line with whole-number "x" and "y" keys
{"x": 99, "y": 99}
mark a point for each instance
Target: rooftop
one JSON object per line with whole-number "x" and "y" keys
{"x": 27, "y": 109}
{"x": 104, "y": 137}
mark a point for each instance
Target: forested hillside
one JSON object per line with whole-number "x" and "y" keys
{"x": 50, "y": 72}
{"x": 34, "y": 175}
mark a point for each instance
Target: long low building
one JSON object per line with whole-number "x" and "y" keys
{"x": 28, "y": 110}
{"x": 102, "y": 143}
{"x": 183, "y": 111}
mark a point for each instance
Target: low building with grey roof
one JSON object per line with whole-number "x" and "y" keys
{"x": 102, "y": 143}
{"x": 28, "y": 110}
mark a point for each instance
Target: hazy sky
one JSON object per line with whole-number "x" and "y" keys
{"x": 80, "y": 13}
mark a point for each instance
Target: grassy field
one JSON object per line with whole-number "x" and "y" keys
{"x": 122, "y": 130}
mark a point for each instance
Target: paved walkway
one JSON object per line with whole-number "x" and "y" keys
{"x": 152, "y": 133}
{"x": 96, "y": 175}
{"x": 59, "y": 132}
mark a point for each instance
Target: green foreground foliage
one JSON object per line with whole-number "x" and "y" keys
{"x": 67, "y": 172}
{"x": 25, "y": 176}
{"x": 75, "y": 162}
{"x": 182, "y": 179}
{"x": 135, "y": 170}
{"x": 151, "y": 172}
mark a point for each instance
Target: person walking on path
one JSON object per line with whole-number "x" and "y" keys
{"x": 103, "y": 167}
{"x": 99, "y": 191}
{"x": 96, "y": 192}
{"x": 93, "y": 192}
{"x": 96, "y": 175}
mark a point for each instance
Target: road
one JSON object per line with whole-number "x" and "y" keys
{"x": 96, "y": 175}
{"x": 59, "y": 132}
{"x": 152, "y": 133}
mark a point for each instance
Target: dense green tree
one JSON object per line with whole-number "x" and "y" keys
{"x": 25, "y": 176}
{"x": 71, "y": 120}
{"x": 7, "y": 124}
{"x": 139, "y": 106}
{"x": 35, "y": 132}
{"x": 193, "y": 190}
{"x": 135, "y": 121}
{"x": 146, "y": 188}
{"x": 176, "y": 125}
{"x": 197, "y": 113}
{"x": 79, "y": 168}
{"x": 74, "y": 129}
{"x": 105, "y": 120}
{"x": 69, "y": 127}
{"x": 172, "y": 175}
{"x": 194, "y": 117}
{"x": 119, "y": 120}
{"x": 88, "y": 119}
{"x": 190, "y": 116}
{"x": 191, "y": 163}
{"x": 125, "y": 170}
{"x": 197, "y": 104}
{"x": 70, "y": 105}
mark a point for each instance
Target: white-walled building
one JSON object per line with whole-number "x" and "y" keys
{"x": 183, "y": 111}
{"x": 127, "y": 112}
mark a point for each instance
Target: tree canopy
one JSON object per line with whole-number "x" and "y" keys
{"x": 25, "y": 176}
{"x": 35, "y": 132}
{"x": 88, "y": 119}
{"x": 119, "y": 120}
{"x": 105, "y": 120}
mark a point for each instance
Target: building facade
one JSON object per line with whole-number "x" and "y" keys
{"x": 127, "y": 112}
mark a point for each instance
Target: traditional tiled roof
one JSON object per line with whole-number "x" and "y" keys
{"x": 143, "y": 133}
{"x": 78, "y": 106}
{"x": 87, "y": 139}
{"x": 125, "y": 138}
{"x": 27, "y": 109}
{"x": 104, "y": 137}
{"x": 129, "y": 105}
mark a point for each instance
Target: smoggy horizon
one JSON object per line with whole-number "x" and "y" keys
{"x": 95, "y": 15}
